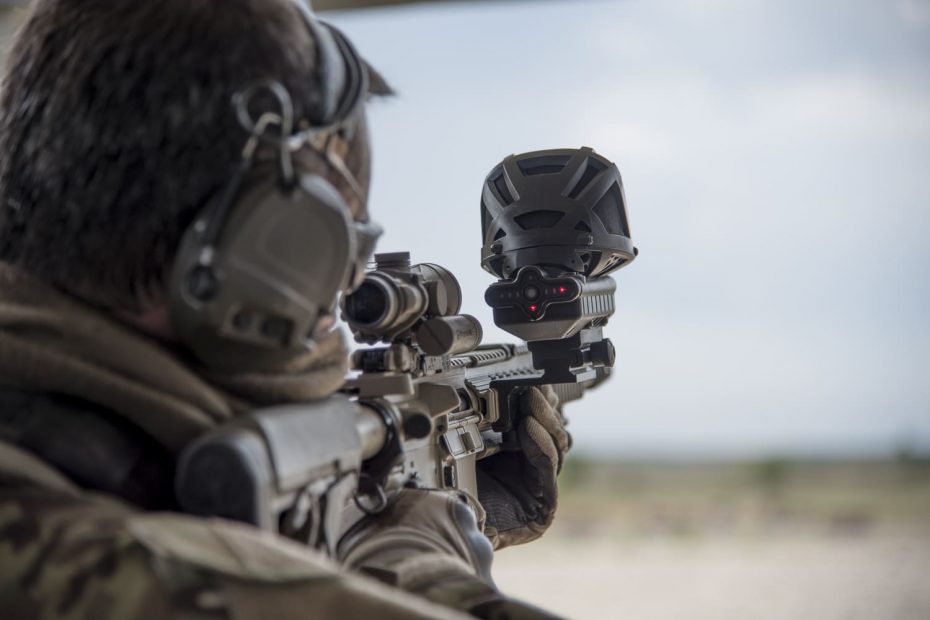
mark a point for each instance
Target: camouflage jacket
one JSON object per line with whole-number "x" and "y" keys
{"x": 92, "y": 416}
{"x": 68, "y": 553}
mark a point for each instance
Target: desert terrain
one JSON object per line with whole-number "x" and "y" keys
{"x": 770, "y": 540}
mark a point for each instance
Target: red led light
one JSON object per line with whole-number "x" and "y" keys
{"x": 533, "y": 308}
{"x": 562, "y": 289}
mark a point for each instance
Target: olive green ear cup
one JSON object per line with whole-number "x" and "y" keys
{"x": 279, "y": 261}
{"x": 265, "y": 259}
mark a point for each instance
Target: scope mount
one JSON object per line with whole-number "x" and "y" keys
{"x": 561, "y": 318}
{"x": 586, "y": 357}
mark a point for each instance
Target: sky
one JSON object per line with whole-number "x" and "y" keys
{"x": 776, "y": 163}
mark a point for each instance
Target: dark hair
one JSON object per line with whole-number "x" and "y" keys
{"x": 116, "y": 127}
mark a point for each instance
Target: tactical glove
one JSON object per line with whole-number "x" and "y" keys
{"x": 429, "y": 543}
{"x": 421, "y": 539}
{"x": 518, "y": 489}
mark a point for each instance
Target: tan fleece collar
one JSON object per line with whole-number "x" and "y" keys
{"x": 50, "y": 342}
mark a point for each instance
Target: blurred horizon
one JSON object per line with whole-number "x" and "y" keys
{"x": 775, "y": 161}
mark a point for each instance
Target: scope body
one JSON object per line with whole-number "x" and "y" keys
{"x": 404, "y": 303}
{"x": 554, "y": 224}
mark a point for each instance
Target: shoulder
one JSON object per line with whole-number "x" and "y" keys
{"x": 84, "y": 556}
{"x": 86, "y": 443}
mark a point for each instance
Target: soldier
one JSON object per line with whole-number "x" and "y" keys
{"x": 118, "y": 140}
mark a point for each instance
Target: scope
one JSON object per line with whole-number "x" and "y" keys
{"x": 399, "y": 302}
{"x": 554, "y": 224}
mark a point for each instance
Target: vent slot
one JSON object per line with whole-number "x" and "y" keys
{"x": 547, "y": 164}
{"x": 609, "y": 209}
{"x": 582, "y": 226}
{"x": 500, "y": 234}
{"x": 500, "y": 184}
{"x": 486, "y": 218}
{"x": 594, "y": 167}
{"x": 538, "y": 219}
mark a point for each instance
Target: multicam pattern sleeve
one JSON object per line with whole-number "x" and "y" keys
{"x": 69, "y": 555}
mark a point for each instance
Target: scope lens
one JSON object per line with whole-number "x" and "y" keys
{"x": 367, "y": 305}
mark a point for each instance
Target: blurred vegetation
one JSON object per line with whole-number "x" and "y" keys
{"x": 912, "y": 461}
{"x": 744, "y": 499}
{"x": 770, "y": 475}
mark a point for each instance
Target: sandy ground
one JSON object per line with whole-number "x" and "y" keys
{"x": 872, "y": 578}
{"x": 772, "y": 540}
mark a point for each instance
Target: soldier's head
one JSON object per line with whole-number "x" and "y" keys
{"x": 117, "y": 129}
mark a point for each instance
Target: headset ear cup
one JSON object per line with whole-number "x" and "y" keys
{"x": 260, "y": 270}
{"x": 281, "y": 260}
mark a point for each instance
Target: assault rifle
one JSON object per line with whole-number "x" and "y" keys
{"x": 454, "y": 400}
{"x": 424, "y": 406}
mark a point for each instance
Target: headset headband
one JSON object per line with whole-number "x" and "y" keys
{"x": 342, "y": 70}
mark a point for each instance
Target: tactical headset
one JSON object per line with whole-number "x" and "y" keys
{"x": 266, "y": 259}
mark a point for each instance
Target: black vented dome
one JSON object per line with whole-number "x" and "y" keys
{"x": 561, "y": 209}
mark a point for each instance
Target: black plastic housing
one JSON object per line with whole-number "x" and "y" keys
{"x": 561, "y": 209}
{"x": 534, "y": 306}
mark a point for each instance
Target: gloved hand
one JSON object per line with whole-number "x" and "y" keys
{"x": 518, "y": 489}
{"x": 430, "y": 543}
{"x": 427, "y": 542}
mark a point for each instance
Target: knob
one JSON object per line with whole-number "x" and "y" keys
{"x": 603, "y": 353}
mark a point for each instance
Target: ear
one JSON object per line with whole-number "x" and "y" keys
{"x": 377, "y": 85}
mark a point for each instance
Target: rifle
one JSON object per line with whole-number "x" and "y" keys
{"x": 454, "y": 400}
{"x": 426, "y": 405}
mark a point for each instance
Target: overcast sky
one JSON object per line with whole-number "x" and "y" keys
{"x": 776, "y": 158}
